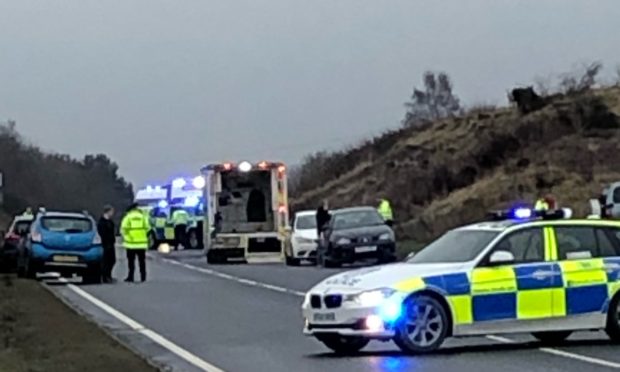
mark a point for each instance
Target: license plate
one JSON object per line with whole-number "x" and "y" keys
{"x": 365, "y": 249}
{"x": 324, "y": 317}
{"x": 65, "y": 259}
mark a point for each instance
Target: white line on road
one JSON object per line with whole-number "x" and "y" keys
{"x": 237, "y": 279}
{"x": 157, "y": 338}
{"x": 583, "y": 358}
{"x": 565, "y": 354}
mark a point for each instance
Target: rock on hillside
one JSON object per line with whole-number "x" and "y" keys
{"x": 454, "y": 171}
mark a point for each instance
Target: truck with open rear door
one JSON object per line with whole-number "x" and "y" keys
{"x": 246, "y": 216}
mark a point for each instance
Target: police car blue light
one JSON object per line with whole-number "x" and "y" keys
{"x": 178, "y": 183}
{"x": 191, "y": 201}
{"x": 162, "y": 204}
{"x": 522, "y": 213}
{"x": 391, "y": 311}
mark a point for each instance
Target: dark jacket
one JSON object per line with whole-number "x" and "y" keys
{"x": 106, "y": 231}
{"x": 322, "y": 218}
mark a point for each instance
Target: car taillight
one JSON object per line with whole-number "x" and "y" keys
{"x": 11, "y": 236}
{"x": 35, "y": 236}
{"x": 96, "y": 239}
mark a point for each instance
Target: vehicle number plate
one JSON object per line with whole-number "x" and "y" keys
{"x": 65, "y": 259}
{"x": 324, "y": 317}
{"x": 365, "y": 249}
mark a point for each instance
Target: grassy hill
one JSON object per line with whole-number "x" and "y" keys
{"x": 453, "y": 171}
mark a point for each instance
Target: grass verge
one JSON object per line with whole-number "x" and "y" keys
{"x": 40, "y": 333}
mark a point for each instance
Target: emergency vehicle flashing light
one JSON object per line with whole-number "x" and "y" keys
{"x": 191, "y": 201}
{"x": 178, "y": 183}
{"x": 529, "y": 214}
{"x": 162, "y": 204}
{"x": 245, "y": 166}
{"x": 199, "y": 182}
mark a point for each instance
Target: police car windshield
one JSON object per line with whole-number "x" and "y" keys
{"x": 455, "y": 246}
{"x": 306, "y": 222}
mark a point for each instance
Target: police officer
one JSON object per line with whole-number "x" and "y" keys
{"x": 545, "y": 203}
{"x": 385, "y": 210}
{"x": 180, "y": 220}
{"x": 134, "y": 229}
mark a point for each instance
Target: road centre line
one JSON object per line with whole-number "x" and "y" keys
{"x": 556, "y": 352}
{"x": 139, "y": 328}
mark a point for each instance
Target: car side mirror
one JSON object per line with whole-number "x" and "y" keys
{"x": 501, "y": 258}
{"x": 410, "y": 256}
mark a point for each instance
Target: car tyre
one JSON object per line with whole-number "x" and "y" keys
{"x": 552, "y": 337}
{"x": 152, "y": 241}
{"x": 613, "y": 319}
{"x": 344, "y": 345}
{"x": 423, "y": 326}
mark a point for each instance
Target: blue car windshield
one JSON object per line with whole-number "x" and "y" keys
{"x": 455, "y": 246}
{"x": 67, "y": 224}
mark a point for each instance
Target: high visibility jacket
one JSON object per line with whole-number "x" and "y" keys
{"x": 134, "y": 229}
{"x": 541, "y": 205}
{"x": 180, "y": 217}
{"x": 385, "y": 210}
{"x": 160, "y": 222}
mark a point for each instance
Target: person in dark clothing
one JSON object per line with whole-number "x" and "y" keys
{"x": 322, "y": 218}
{"x": 106, "y": 230}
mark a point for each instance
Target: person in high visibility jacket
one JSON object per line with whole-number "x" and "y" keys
{"x": 385, "y": 210}
{"x": 134, "y": 229}
{"x": 545, "y": 203}
{"x": 180, "y": 220}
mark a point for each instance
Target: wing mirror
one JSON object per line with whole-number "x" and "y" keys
{"x": 501, "y": 258}
{"x": 410, "y": 256}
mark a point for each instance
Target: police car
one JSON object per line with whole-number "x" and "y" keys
{"x": 545, "y": 275}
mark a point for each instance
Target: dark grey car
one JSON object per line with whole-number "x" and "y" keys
{"x": 354, "y": 234}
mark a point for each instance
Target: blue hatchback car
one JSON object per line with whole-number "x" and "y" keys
{"x": 67, "y": 243}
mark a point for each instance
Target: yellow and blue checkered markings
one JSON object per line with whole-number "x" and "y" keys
{"x": 527, "y": 291}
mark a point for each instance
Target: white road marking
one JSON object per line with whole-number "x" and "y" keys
{"x": 237, "y": 279}
{"x": 561, "y": 353}
{"x": 157, "y": 338}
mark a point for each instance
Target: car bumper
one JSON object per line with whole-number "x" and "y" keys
{"x": 304, "y": 250}
{"x": 350, "y": 320}
{"x": 353, "y": 252}
{"x": 69, "y": 259}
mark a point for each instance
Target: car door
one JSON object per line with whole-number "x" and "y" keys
{"x": 522, "y": 290}
{"x": 586, "y": 273}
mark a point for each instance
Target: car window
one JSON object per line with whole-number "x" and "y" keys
{"x": 305, "y": 222}
{"x": 576, "y": 242}
{"x": 608, "y": 239}
{"x": 455, "y": 246}
{"x": 616, "y": 195}
{"x": 21, "y": 227}
{"x": 353, "y": 219}
{"x": 526, "y": 245}
{"x": 66, "y": 224}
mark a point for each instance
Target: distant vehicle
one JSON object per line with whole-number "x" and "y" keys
{"x": 67, "y": 243}
{"x": 608, "y": 203}
{"x": 354, "y": 234}
{"x": 247, "y": 207}
{"x": 303, "y": 239}
{"x": 17, "y": 231}
{"x": 545, "y": 274}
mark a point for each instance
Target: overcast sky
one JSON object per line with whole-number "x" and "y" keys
{"x": 164, "y": 87}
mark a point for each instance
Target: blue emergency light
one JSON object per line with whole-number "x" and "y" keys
{"x": 162, "y": 204}
{"x": 191, "y": 201}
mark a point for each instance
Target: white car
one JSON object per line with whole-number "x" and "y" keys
{"x": 548, "y": 277}
{"x": 304, "y": 239}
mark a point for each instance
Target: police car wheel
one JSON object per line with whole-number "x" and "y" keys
{"x": 552, "y": 337}
{"x": 343, "y": 344}
{"x": 613, "y": 319}
{"x": 424, "y": 326}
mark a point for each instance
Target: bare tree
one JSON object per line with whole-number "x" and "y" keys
{"x": 435, "y": 101}
{"x": 582, "y": 80}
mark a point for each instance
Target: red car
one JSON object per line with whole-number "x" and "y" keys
{"x": 16, "y": 232}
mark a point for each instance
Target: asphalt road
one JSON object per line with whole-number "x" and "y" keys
{"x": 247, "y": 318}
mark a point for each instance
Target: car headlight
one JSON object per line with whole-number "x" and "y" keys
{"x": 343, "y": 241}
{"x": 386, "y": 236}
{"x": 372, "y": 298}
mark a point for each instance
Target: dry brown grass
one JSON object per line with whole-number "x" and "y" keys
{"x": 454, "y": 171}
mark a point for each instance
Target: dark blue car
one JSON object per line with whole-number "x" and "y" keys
{"x": 66, "y": 243}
